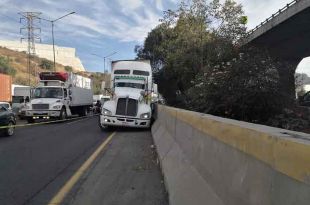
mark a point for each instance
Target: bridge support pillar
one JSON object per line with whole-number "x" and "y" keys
{"x": 286, "y": 70}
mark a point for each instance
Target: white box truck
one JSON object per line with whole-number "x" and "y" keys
{"x": 60, "y": 95}
{"x": 21, "y": 96}
{"x": 131, "y": 88}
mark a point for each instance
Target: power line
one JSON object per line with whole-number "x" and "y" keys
{"x": 32, "y": 36}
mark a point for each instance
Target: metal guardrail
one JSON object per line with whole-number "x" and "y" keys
{"x": 273, "y": 15}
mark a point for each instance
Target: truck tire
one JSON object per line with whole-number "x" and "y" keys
{"x": 83, "y": 112}
{"x": 30, "y": 120}
{"x": 63, "y": 114}
{"x": 10, "y": 129}
{"x": 103, "y": 127}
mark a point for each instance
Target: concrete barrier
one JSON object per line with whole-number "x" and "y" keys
{"x": 216, "y": 161}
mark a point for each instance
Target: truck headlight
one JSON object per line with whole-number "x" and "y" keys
{"x": 106, "y": 112}
{"x": 57, "y": 107}
{"x": 145, "y": 115}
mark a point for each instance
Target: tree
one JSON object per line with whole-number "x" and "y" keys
{"x": 190, "y": 40}
{"x": 227, "y": 19}
{"x": 154, "y": 47}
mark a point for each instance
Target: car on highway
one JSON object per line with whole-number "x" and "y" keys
{"x": 6, "y": 105}
{"x": 7, "y": 121}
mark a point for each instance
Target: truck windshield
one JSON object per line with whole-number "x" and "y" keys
{"x": 48, "y": 93}
{"x": 17, "y": 99}
{"x": 130, "y": 85}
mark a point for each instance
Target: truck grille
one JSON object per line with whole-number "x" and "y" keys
{"x": 127, "y": 107}
{"x": 40, "y": 106}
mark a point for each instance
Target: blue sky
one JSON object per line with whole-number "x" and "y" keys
{"x": 102, "y": 26}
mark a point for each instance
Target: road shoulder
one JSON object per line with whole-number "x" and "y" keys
{"x": 126, "y": 173}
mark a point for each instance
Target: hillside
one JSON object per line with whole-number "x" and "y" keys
{"x": 97, "y": 79}
{"x": 14, "y": 63}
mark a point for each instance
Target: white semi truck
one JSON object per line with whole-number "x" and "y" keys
{"x": 131, "y": 88}
{"x": 60, "y": 95}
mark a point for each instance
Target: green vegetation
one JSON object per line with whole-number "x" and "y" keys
{"x": 46, "y": 64}
{"x": 199, "y": 63}
{"x": 68, "y": 68}
{"x": 5, "y": 66}
{"x": 97, "y": 79}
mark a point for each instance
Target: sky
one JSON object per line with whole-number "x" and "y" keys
{"x": 102, "y": 27}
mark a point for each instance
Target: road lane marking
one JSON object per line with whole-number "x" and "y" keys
{"x": 50, "y": 122}
{"x": 62, "y": 193}
{"x": 71, "y": 122}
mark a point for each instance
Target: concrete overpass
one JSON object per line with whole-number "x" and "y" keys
{"x": 286, "y": 35}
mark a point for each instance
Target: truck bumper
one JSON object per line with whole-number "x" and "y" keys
{"x": 123, "y": 121}
{"x": 42, "y": 114}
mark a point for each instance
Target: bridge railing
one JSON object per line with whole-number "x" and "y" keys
{"x": 273, "y": 15}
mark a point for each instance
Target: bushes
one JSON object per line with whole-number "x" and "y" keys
{"x": 21, "y": 80}
{"x": 68, "y": 68}
{"x": 246, "y": 88}
{"x": 5, "y": 66}
{"x": 46, "y": 64}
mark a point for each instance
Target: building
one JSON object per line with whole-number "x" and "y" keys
{"x": 63, "y": 55}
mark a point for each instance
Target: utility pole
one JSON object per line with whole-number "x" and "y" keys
{"x": 30, "y": 18}
{"x": 104, "y": 59}
{"x": 53, "y": 24}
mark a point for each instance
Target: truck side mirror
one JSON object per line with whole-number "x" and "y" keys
{"x": 142, "y": 92}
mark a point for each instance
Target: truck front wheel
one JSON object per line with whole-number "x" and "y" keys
{"x": 103, "y": 127}
{"x": 63, "y": 114}
{"x": 10, "y": 130}
{"x": 30, "y": 120}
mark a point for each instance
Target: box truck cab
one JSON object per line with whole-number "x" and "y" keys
{"x": 60, "y": 95}
{"x": 21, "y": 96}
{"x": 131, "y": 86}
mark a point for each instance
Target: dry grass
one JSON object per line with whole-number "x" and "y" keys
{"x": 18, "y": 61}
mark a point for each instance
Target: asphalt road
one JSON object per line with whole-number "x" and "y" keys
{"x": 127, "y": 173}
{"x": 39, "y": 160}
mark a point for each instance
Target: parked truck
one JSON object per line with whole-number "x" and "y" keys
{"x": 131, "y": 89}
{"x": 21, "y": 96}
{"x": 60, "y": 95}
{"x": 5, "y": 88}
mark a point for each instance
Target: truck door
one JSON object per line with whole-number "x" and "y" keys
{"x": 66, "y": 98}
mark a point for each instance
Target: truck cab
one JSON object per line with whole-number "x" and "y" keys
{"x": 131, "y": 86}
{"x": 59, "y": 95}
{"x": 21, "y": 96}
